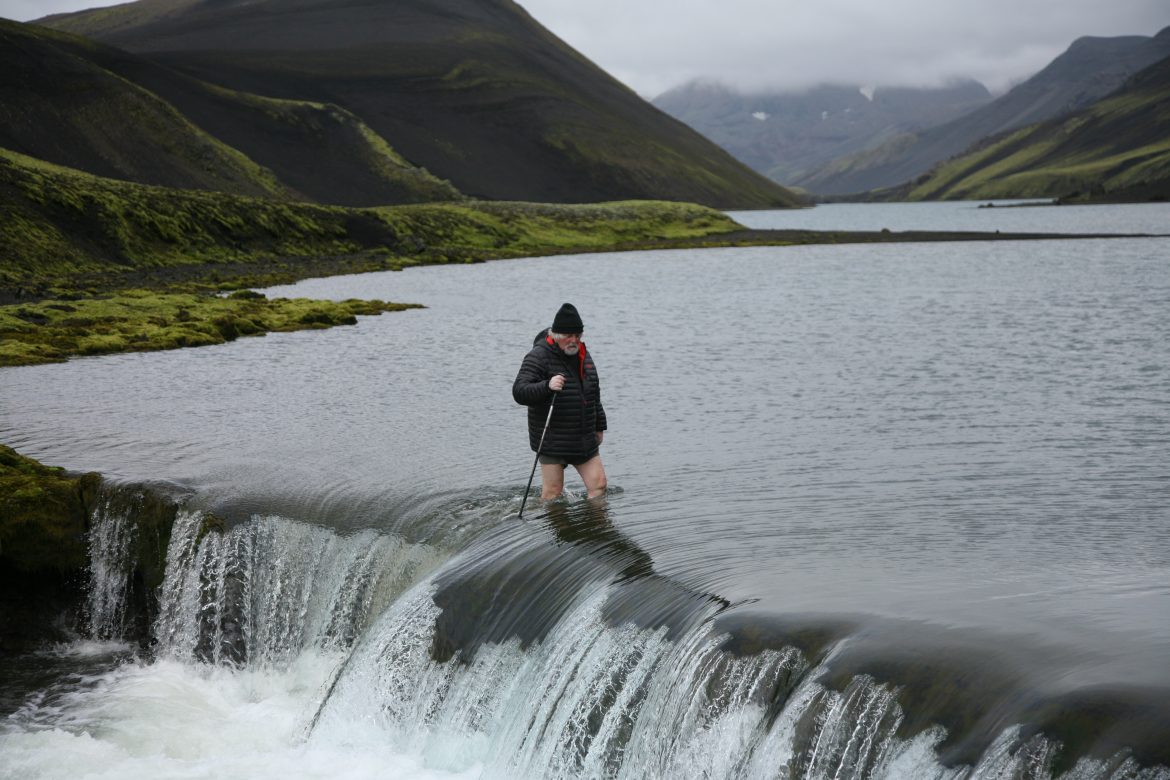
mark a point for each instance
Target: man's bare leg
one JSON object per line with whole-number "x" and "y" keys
{"x": 593, "y": 475}
{"x": 552, "y": 480}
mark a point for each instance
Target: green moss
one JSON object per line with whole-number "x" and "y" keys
{"x": 43, "y": 514}
{"x": 141, "y": 320}
{"x": 140, "y": 267}
{"x": 508, "y": 229}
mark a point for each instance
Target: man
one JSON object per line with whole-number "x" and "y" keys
{"x": 560, "y": 368}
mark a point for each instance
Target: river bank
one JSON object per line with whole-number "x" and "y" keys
{"x": 94, "y": 266}
{"x": 137, "y": 309}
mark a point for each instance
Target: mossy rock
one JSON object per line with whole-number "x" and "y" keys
{"x": 45, "y": 517}
{"x": 44, "y": 514}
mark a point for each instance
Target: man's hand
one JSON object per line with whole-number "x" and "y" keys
{"x": 600, "y": 436}
{"x": 557, "y": 383}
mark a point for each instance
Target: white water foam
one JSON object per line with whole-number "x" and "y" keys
{"x": 171, "y": 719}
{"x": 254, "y": 625}
{"x": 258, "y": 624}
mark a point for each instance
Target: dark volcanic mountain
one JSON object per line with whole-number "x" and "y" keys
{"x": 60, "y": 106}
{"x": 475, "y": 91}
{"x": 74, "y": 102}
{"x": 1089, "y": 70}
{"x": 787, "y": 135}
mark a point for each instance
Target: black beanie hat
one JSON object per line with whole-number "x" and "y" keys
{"x": 567, "y": 320}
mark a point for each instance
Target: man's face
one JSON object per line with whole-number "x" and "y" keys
{"x": 569, "y": 343}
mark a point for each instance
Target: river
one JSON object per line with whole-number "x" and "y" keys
{"x": 875, "y": 510}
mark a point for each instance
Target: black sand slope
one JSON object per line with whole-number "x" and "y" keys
{"x": 474, "y": 91}
{"x": 59, "y": 106}
{"x": 74, "y": 102}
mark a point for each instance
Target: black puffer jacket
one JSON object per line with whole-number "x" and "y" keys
{"x": 577, "y": 414}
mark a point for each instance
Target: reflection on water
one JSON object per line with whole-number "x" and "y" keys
{"x": 588, "y": 524}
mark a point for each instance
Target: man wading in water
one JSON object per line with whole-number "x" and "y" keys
{"x": 559, "y": 364}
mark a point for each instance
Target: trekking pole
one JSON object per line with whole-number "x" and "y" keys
{"x": 536, "y": 460}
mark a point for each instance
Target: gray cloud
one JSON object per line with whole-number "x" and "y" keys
{"x": 27, "y": 10}
{"x": 653, "y": 45}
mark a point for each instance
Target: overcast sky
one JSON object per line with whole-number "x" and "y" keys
{"x": 653, "y": 45}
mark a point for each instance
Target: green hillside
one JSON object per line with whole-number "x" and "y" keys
{"x": 474, "y": 91}
{"x": 61, "y": 107}
{"x": 91, "y": 265}
{"x": 92, "y": 107}
{"x": 68, "y": 229}
{"x": 102, "y": 22}
{"x": 321, "y": 151}
{"x": 1118, "y": 149}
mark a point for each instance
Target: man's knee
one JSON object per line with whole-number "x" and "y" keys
{"x": 593, "y": 474}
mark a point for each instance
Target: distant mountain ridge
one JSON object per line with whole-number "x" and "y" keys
{"x": 788, "y": 135}
{"x": 474, "y": 91}
{"x": 1090, "y": 69}
{"x": 1117, "y": 149}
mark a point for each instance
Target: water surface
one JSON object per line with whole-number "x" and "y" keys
{"x": 959, "y": 442}
{"x": 1005, "y": 216}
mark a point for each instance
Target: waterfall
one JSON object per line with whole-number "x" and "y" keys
{"x": 598, "y": 700}
{"x": 270, "y": 588}
{"x": 111, "y": 539}
{"x": 599, "y": 692}
{"x": 620, "y": 702}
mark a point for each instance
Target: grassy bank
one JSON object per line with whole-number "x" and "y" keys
{"x": 67, "y": 231}
{"x": 44, "y": 515}
{"x": 141, "y": 320}
{"x": 91, "y": 265}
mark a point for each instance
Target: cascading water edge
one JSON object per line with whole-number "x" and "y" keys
{"x": 550, "y": 649}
